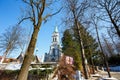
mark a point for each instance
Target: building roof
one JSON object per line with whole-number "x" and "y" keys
{"x": 56, "y": 29}
{"x": 7, "y": 60}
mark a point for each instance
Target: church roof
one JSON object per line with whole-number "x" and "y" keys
{"x": 56, "y": 29}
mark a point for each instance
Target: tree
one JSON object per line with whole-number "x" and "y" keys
{"x": 35, "y": 13}
{"x": 76, "y": 11}
{"x": 70, "y": 43}
{"x": 89, "y": 44}
{"x": 64, "y": 71}
{"x": 90, "y": 49}
{"x": 114, "y": 60}
{"x": 66, "y": 40}
{"x": 115, "y": 42}
{"x": 109, "y": 11}
{"x": 108, "y": 47}
{"x": 95, "y": 23}
{"x": 97, "y": 58}
{"x": 10, "y": 40}
{"x": 70, "y": 48}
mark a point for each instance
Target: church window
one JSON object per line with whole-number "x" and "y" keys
{"x": 53, "y": 52}
{"x": 55, "y": 39}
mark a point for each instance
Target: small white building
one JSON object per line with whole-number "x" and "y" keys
{"x": 55, "y": 49}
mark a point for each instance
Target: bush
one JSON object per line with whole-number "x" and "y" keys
{"x": 114, "y": 60}
{"x": 35, "y": 74}
{"x": 8, "y": 74}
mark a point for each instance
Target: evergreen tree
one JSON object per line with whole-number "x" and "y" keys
{"x": 89, "y": 43}
{"x": 70, "y": 48}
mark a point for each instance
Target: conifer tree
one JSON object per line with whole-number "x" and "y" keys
{"x": 70, "y": 48}
{"x": 89, "y": 43}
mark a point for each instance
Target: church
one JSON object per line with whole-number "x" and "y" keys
{"x": 55, "y": 49}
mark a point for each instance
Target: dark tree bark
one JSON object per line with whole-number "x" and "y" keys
{"x": 82, "y": 51}
{"x": 35, "y": 15}
{"x": 36, "y": 20}
{"x": 91, "y": 60}
{"x": 110, "y": 12}
{"x": 28, "y": 56}
{"x": 77, "y": 12}
{"x": 104, "y": 56}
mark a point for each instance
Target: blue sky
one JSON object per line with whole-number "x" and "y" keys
{"x": 10, "y": 11}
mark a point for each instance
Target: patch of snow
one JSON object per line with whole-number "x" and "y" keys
{"x": 40, "y": 68}
{"x": 95, "y": 75}
{"x": 2, "y": 66}
{"x": 107, "y": 78}
{"x": 13, "y": 66}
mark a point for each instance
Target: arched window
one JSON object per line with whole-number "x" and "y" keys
{"x": 55, "y": 39}
{"x": 53, "y": 52}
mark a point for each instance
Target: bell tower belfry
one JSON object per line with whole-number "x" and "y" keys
{"x": 55, "y": 49}
{"x": 55, "y": 37}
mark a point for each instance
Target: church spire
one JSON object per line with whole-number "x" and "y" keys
{"x": 55, "y": 36}
{"x": 56, "y": 29}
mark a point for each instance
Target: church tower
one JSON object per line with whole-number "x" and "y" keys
{"x": 55, "y": 37}
{"x": 55, "y": 50}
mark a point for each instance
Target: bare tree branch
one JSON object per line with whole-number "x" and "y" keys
{"x": 111, "y": 10}
{"x": 33, "y": 12}
{"x": 25, "y": 1}
{"x": 23, "y": 19}
{"x": 49, "y": 15}
{"x": 10, "y": 40}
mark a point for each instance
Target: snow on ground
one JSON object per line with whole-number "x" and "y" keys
{"x": 13, "y": 66}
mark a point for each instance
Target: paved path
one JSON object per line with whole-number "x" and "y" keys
{"x": 104, "y": 74}
{"x": 100, "y": 73}
{"x": 113, "y": 74}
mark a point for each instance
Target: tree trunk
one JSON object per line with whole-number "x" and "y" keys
{"x": 91, "y": 60}
{"x": 82, "y": 51}
{"x": 4, "y": 56}
{"x": 23, "y": 74}
{"x": 104, "y": 57}
{"x": 109, "y": 49}
{"x": 90, "y": 53}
